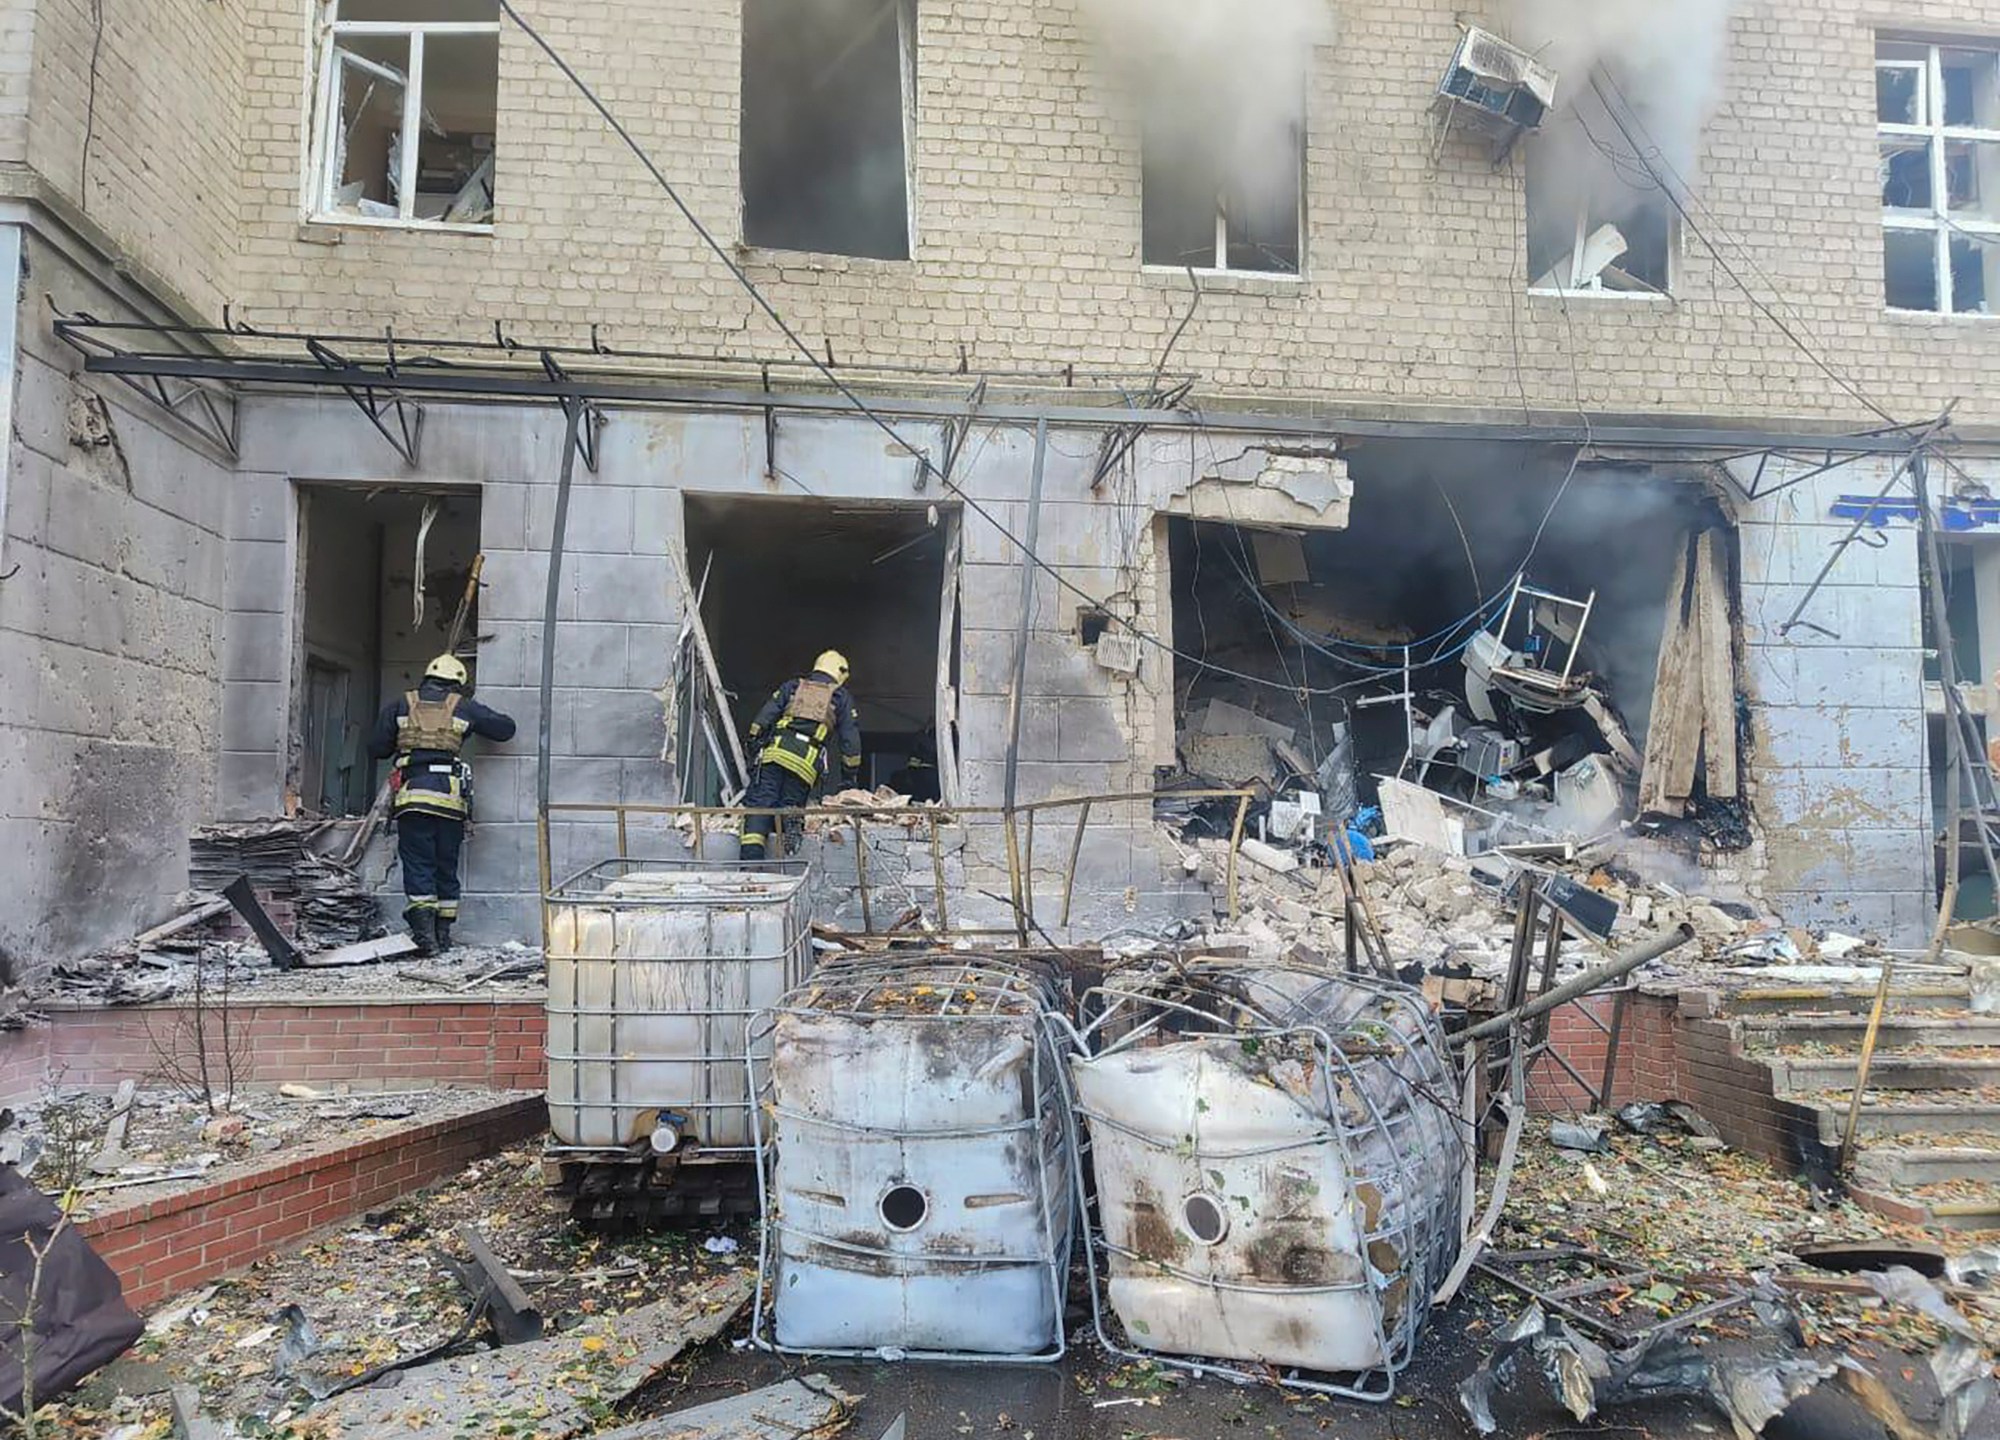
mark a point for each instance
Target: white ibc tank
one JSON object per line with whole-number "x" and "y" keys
{"x": 919, "y": 1197}
{"x": 1277, "y": 1166}
{"x": 653, "y": 974}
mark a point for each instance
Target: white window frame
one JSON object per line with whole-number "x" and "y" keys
{"x": 1934, "y": 132}
{"x": 1219, "y": 259}
{"x": 1593, "y": 285}
{"x": 323, "y": 170}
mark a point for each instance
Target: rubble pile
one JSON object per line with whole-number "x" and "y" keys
{"x": 330, "y": 903}
{"x": 241, "y": 970}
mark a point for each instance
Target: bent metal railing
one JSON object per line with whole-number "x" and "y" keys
{"x": 1017, "y": 824}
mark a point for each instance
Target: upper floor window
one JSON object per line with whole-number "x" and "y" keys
{"x": 1937, "y": 114}
{"x": 1221, "y": 201}
{"x": 1598, "y": 221}
{"x": 828, "y": 105}
{"x": 408, "y": 100}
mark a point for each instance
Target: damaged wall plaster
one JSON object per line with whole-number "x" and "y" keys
{"x": 1268, "y": 485}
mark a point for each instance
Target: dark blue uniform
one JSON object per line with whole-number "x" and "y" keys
{"x": 795, "y": 754}
{"x": 434, "y": 794}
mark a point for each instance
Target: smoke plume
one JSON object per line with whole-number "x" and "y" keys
{"x": 1219, "y": 85}
{"x": 1659, "y": 64}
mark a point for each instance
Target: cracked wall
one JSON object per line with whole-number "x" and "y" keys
{"x": 111, "y": 638}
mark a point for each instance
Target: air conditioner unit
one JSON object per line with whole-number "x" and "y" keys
{"x": 1501, "y": 88}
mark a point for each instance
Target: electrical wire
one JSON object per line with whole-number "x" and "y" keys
{"x": 1687, "y": 218}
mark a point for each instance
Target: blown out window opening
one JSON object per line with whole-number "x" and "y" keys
{"x": 1598, "y": 221}
{"x": 408, "y": 104}
{"x": 1937, "y": 113}
{"x": 1221, "y": 202}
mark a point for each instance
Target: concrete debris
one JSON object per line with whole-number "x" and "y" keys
{"x": 1588, "y": 1137}
{"x": 562, "y": 1380}
{"x": 811, "y": 1405}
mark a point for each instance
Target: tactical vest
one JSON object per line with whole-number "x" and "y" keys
{"x": 799, "y": 737}
{"x": 432, "y": 724}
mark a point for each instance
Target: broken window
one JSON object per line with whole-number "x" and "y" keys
{"x": 1598, "y": 221}
{"x": 827, "y": 108}
{"x": 408, "y": 103}
{"x": 1217, "y": 200}
{"x": 1937, "y": 112}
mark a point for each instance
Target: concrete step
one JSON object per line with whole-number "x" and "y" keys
{"x": 1827, "y": 1000}
{"x": 1921, "y": 1115}
{"x": 1953, "y": 1206}
{"x": 1795, "y": 1076}
{"x": 1902, "y": 1166}
{"x": 1936, "y": 1031}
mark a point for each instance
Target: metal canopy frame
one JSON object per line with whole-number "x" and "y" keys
{"x": 204, "y": 404}
{"x": 387, "y": 369}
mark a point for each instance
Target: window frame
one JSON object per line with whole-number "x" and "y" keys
{"x": 1936, "y": 136}
{"x": 1595, "y": 289}
{"x": 321, "y": 173}
{"x": 1221, "y": 268}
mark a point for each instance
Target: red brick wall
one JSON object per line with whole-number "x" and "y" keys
{"x": 493, "y": 1043}
{"x": 162, "y": 1247}
{"x": 1648, "y": 1055}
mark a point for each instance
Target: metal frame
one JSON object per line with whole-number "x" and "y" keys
{"x": 1240, "y": 1001}
{"x": 494, "y": 372}
{"x": 717, "y": 1024}
{"x": 1017, "y": 823}
{"x": 970, "y": 991}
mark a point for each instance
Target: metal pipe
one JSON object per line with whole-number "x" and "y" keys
{"x": 1614, "y": 969}
{"x": 1016, "y": 691}
{"x": 1075, "y": 851}
{"x": 573, "y": 420}
{"x": 937, "y": 873}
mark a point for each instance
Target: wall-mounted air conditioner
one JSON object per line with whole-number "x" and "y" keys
{"x": 1499, "y": 88}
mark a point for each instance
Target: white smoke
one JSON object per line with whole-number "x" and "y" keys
{"x": 1215, "y": 82}
{"x": 1662, "y": 58}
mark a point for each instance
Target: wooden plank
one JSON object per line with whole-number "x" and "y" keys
{"x": 691, "y": 619}
{"x": 389, "y": 947}
{"x": 1673, "y": 734}
{"x": 186, "y": 920}
{"x": 1718, "y": 667}
{"x": 111, "y": 1156}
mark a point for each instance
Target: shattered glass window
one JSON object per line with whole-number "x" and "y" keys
{"x": 1937, "y": 110}
{"x": 409, "y": 103}
{"x": 1598, "y": 220}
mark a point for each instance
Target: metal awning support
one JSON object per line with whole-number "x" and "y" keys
{"x": 1118, "y": 441}
{"x": 574, "y": 415}
{"x": 592, "y": 421}
{"x": 205, "y": 405}
{"x": 374, "y": 396}
{"x": 955, "y": 431}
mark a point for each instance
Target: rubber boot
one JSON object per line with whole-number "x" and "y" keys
{"x": 423, "y": 928}
{"x": 443, "y": 933}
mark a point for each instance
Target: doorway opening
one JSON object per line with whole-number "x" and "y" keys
{"x": 781, "y": 580}
{"x": 382, "y": 575}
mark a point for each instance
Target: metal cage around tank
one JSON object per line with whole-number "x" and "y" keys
{"x": 915, "y": 1171}
{"x": 654, "y": 968}
{"x": 1276, "y": 1156}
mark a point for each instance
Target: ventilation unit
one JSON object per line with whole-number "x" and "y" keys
{"x": 1500, "y": 88}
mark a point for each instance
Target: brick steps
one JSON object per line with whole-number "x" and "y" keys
{"x": 1905, "y": 1167}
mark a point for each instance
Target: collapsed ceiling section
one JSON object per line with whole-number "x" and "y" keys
{"x": 1492, "y": 655}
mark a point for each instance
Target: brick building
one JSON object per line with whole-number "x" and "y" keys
{"x": 1411, "y": 348}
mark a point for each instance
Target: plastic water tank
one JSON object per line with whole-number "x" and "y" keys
{"x": 1277, "y": 1163}
{"x": 654, "y": 971}
{"x": 917, "y": 1188}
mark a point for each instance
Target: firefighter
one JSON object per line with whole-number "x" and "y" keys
{"x": 425, "y": 731}
{"x": 919, "y": 778}
{"x": 794, "y": 728}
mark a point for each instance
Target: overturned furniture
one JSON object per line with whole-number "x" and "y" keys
{"x": 1277, "y": 1163}
{"x": 654, "y": 971}
{"x": 916, "y": 1162}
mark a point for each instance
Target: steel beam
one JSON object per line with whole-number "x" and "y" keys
{"x": 488, "y": 385}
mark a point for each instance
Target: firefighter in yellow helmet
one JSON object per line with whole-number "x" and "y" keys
{"x": 794, "y": 737}
{"x": 425, "y": 732}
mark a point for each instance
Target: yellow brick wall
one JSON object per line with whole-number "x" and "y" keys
{"x": 1028, "y": 215}
{"x": 162, "y": 132}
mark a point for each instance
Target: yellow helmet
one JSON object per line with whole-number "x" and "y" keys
{"x": 832, "y": 662}
{"x": 448, "y": 668}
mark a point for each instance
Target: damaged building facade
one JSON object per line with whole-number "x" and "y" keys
{"x": 1363, "y": 360}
